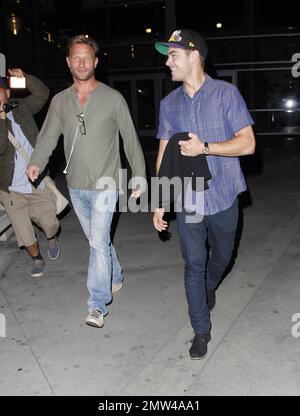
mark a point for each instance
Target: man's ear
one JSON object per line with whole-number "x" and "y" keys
{"x": 196, "y": 56}
{"x": 96, "y": 62}
{"x": 8, "y": 92}
{"x": 68, "y": 62}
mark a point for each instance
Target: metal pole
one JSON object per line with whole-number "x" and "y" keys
{"x": 170, "y": 26}
{"x": 37, "y": 33}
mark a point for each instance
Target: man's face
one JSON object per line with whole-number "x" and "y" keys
{"x": 4, "y": 95}
{"x": 82, "y": 62}
{"x": 180, "y": 64}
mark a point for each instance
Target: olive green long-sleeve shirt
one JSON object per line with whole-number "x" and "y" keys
{"x": 95, "y": 154}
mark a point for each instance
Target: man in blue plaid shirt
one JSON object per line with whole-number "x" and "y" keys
{"x": 220, "y": 127}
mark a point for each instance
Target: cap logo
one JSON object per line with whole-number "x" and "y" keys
{"x": 175, "y": 37}
{"x": 191, "y": 45}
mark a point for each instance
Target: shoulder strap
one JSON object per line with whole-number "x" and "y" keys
{"x": 18, "y": 147}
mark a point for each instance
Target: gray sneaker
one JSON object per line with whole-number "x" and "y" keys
{"x": 37, "y": 268}
{"x": 95, "y": 318}
{"x": 116, "y": 287}
{"x": 53, "y": 248}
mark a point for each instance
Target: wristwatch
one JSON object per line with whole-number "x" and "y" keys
{"x": 205, "y": 150}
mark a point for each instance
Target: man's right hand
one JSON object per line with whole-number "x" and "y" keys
{"x": 33, "y": 172}
{"x": 16, "y": 72}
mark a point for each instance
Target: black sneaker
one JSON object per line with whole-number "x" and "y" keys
{"x": 198, "y": 349}
{"x": 211, "y": 299}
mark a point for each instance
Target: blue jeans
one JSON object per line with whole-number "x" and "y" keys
{"x": 203, "y": 272}
{"x": 95, "y": 210}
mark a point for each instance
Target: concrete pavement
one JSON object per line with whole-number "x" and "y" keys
{"x": 143, "y": 347}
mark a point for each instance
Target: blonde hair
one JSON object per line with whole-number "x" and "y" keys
{"x": 82, "y": 39}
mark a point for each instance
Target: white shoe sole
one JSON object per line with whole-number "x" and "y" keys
{"x": 94, "y": 322}
{"x": 37, "y": 274}
{"x": 198, "y": 358}
{"x": 53, "y": 258}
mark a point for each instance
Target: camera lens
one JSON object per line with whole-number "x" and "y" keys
{"x": 10, "y": 106}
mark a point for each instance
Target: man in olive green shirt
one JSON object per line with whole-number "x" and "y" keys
{"x": 91, "y": 115}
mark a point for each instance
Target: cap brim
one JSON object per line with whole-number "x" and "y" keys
{"x": 163, "y": 47}
{"x": 4, "y": 83}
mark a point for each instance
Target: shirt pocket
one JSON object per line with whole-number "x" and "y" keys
{"x": 214, "y": 122}
{"x": 177, "y": 121}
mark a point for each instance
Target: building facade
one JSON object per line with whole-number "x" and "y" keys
{"x": 254, "y": 44}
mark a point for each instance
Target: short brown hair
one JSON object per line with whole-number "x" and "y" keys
{"x": 202, "y": 59}
{"x": 83, "y": 39}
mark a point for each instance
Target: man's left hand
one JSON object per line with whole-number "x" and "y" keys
{"x": 192, "y": 147}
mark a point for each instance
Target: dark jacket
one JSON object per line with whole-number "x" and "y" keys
{"x": 23, "y": 115}
{"x": 174, "y": 164}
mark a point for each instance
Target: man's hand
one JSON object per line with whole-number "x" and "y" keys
{"x": 16, "y": 72}
{"x": 136, "y": 193}
{"x": 192, "y": 147}
{"x": 158, "y": 221}
{"x": 33, "y": 172}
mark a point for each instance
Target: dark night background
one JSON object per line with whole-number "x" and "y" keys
{"x": 253, "y": 49}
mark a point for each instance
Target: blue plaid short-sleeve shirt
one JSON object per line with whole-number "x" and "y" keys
{"x": 215, "y": 113}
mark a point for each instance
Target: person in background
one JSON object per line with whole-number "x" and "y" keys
{"x": 23, "y": 202}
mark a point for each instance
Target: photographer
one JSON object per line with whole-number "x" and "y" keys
{"x": 23, "y": 202}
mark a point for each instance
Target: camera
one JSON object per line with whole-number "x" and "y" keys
{"x": 17, "y": 82}
{"x": 10, "y": 106}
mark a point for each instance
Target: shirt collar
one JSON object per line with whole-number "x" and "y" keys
{"x": 10, "y": 116}
{"x": 205, "y": 87}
